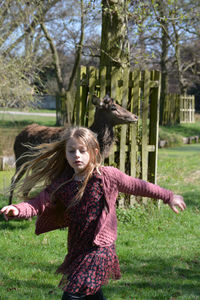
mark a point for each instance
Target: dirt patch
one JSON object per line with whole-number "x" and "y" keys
{"x": 195, "y": 176}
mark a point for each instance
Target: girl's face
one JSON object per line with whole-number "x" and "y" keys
{"x": 77, "y": 155}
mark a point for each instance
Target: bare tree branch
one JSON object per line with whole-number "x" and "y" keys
{"x": 37, "y": 19}
{"x": 55, "y": 59}
{"x": 78, "y": 50}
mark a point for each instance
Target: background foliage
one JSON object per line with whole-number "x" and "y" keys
{"x": 157, "y": 34}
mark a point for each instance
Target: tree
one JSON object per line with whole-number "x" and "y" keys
{"x": 18, "y": 48}
{"x": 114, "y": 36}
{"x": 66, "y": 96}
{"x": 161, "y": 16}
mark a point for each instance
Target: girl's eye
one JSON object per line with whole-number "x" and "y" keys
{"x": 83, "y": 150}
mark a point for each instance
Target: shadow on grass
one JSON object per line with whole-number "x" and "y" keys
{"x": 142, "y": 278}
{"x": 157, "y": 279}
{"x": 146, "y": 279}
{"x": 14, "y": 224}
{"x": 182, "y": 130}
{"x": 10, "y": 124}
{"x": 192, "y": 199}
{"x": 28, "y": 289}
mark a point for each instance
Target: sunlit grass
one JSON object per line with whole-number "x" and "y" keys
{"x": 158, "y": 250}
{"x": 174, "y": 134}
{"x": 14, "y": 120}
{"x": 29, "y": 109}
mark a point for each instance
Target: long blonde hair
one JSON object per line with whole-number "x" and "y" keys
{"x": 49, "y": 161}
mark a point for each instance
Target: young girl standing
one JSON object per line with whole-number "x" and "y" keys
{"x": 81, "y": 194}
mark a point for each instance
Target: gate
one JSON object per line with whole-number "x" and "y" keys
{"x": 179, "y": 109}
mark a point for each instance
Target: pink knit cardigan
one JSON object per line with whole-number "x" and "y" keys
{"x": 113, "y": 182}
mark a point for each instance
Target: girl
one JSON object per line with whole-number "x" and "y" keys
{"x": 81, "y": 194}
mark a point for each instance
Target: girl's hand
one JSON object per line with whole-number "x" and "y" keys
{"x": 177, "y": 201}
{"x": 9, "y": 211}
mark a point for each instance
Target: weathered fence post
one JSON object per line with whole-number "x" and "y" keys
{"x": 154, "y": 127}
{"x": 135, "y": 98}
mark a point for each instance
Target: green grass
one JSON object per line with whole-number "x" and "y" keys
{"x": 158, "y": 250}
{"x": 174, "y": 134}
{"x": 10, "y": 120}
{"x": 28, "y": 110}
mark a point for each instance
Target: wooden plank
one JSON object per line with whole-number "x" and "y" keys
{"x": 113, "y": 93}
{"x": 185, "y": 107}
{"x": 77, "y": 111}
{"x": 124, "y": 89}
{"x": 91, "y": 71}
{"x": 154, "y": 128}
{"x": 181, "y": 109}
{"x": 103, "y": 86}
{"x": 193, "y": 109}
{"x": 164, "y": 112}
{"x": 178, "y": 109}
{"x": 145, "y": 108}
{"x": 80, "y": 97}
{"x": 135, "y": 104}
{"x": 141, "y": 83}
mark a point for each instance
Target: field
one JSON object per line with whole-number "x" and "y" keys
{"x": 158, "y": 250}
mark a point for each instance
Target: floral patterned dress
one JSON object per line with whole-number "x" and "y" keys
{"x": 86, "y": 267}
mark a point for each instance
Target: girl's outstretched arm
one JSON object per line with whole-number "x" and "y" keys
{"x": 27, "y": 209}
{"x": 9, "y": 211}
{"x": 178, "y": 201}
{"x": 138, "y": 187}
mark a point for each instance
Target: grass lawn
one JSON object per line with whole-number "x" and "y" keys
{"x": 4, "y": 109}
{"x": 174, "y": 134}
{"x": 158, "y": 250}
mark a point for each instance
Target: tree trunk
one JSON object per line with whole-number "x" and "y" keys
{"x": 65, "y": 97}
{"x": 114, "y": 37}
{"x": 163, "y": 65}
{"x": 178, "y": 60}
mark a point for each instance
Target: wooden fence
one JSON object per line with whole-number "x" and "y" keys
{"x": 187, "y": 108}
{"x": 135, "y": 151}
{"x": 179, "y": 109}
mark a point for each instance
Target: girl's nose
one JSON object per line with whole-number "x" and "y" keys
{"x": 77, "y": 153}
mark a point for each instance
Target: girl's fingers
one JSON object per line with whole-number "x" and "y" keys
{"x": 3, "y": 209}
{"x": 182, "y": 206}
{"x": 175, "y": 209}
{"x": 179, "y": 202}
{"x": 9, "y": 211}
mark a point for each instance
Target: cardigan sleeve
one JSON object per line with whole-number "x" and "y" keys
{"x": 34, "y": 206}
{"x": 138, "y": 187}
{"x": 37, "y": 205}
